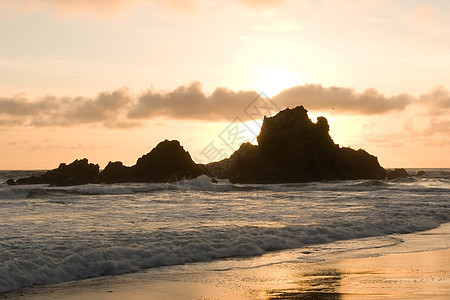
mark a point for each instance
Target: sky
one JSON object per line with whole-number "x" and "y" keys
{"x": 109, "y": 79}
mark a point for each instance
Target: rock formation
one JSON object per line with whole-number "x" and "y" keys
{"x": 291, "y": 148}
{"x": 115, "y": 172}
{"x": 420, "y": 173}
{"x": 78, "y": 172}
{"x": 397, "y": 173}
{"x": 168, "y": 161}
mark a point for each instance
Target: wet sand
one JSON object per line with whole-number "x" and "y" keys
{"x": 404, "y": 275}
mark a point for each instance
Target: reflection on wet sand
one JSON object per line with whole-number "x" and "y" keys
{"x": 322, "y": 284}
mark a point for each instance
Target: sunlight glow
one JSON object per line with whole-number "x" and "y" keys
{"x": 271, "y": 80}
{"x": 254, "y": 127}
{"x": 342, "y": 128}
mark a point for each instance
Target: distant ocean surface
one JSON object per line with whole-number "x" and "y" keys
{"x": 59, "y": 234}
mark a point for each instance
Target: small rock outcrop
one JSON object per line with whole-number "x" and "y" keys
{"x": 115, "y": 172}
{"x": 78, "y": 172}
{"x": 420, "y": 173}
{"x": 397, "y": 173}
{"x": 11, "y": 182}
{"x": 291, "y": 148}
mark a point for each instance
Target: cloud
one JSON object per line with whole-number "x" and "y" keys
{"x": 97, "y": 6}
{"x": 437, "y": 101}
{"x": 438, "y": 127}
{"x": 93, "y": 8}
{"x": 20, "y": 106}
{"x": 424, "y": 13}
{"x": 71, "y": 7}
{"x": 342, "y": 100}
{"x": 107, "y": 109}
{"x": 110, "y": 8}
{"x": 261, "y": 3}
{"x": 184, "y": 6}
{"x": 429, "y": 20}
{"x": 123, "y": 109}
{"x": 190, "y": 102}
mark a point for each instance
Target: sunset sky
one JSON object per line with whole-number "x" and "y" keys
{"x": 109, "y": 79}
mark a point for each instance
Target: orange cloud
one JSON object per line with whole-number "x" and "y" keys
{"x": 71, "y": 7}
{"x": 438, "y": 127}
{"x": 108, "y": 8}
{"x": 260, "y": 3}
{"x": 342, "y": 100}
{"x": 437, "y": 101}
{"x": 189, "y": 102}
{"x": 107, "y": 109}
{"x": 123, "y": 109}
{"x": 180, "y": 5}
{"x": 425, "y": 13}
{"x": 102, "y": 8}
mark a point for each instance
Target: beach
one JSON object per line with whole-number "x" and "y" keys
{"x": 416, "y": 268}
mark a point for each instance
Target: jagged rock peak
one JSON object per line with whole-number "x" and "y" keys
{"x": 168, "y": 161}
{"x": 292, "y": 148}
{"x": 291, "y": 123}
{"x": 80, "y": 171}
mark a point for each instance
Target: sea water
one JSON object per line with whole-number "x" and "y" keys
{"x": 58, "y": 234}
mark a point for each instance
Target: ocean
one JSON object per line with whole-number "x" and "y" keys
{"x": 53, "y": 235}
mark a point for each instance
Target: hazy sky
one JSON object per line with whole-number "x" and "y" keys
{"x": 109, "y": 79}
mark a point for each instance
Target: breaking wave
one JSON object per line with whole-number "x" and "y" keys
{"x": 58, "y": 234}
{"x": 86, "y": 258}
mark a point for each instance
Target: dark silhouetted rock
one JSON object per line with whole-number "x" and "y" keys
{"x": 167, "y": 162}
{"x": 115, "y": 172}
{"x": 227, "y": 168}
{"x": 11, "y": 182}
{"x": 78, "y": 172}
{"x": 397, "y": 173}
{"x": 358, "y": 164}
{"x": 291, "y": 148}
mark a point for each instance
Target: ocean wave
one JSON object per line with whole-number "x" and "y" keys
{"x": 202, "y": 183}
{"x": 111, "y": 229}
{"x": 37, "y": 191}
{"x": 85, "y": 257}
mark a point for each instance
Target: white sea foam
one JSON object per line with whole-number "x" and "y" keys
{"x": 202, "y": 183}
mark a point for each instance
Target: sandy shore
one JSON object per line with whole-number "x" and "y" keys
{"x": 401, "y": 275}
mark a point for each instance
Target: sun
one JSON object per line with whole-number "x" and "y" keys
{"x": 272, "y": 80}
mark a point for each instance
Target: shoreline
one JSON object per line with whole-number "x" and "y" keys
{"x": 417, "y": 267}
